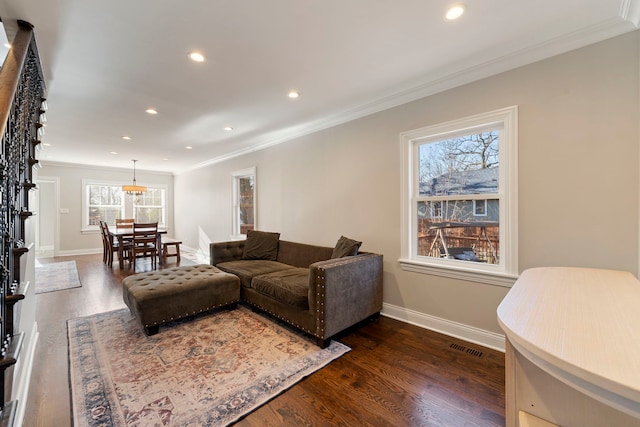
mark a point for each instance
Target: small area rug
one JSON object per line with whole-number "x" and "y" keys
{"x": 56, "y": 276}
{"x": 207, "y": 370}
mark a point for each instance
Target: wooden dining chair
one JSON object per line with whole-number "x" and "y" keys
{"x": 105, "y": 243}
{"x": 145, "y": 237}
{"x": 111, "y": 246}
{"x": 125, "y": 224}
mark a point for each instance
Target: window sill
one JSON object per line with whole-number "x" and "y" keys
{"x": 468, "y": 274}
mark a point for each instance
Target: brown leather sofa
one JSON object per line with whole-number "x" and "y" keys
{"x": 304, "y": 286}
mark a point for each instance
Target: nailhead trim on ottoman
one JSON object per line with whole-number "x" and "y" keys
{"x": 158, "y": 297}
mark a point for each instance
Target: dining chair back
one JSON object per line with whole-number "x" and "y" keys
{"x": 110, "y": 246}
{"x": 125, "y": 223}
{"x": 106, "y": 250}
{"x": 145, "y": 237}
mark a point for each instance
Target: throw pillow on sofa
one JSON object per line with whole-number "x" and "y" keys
{"x": 261, "y": 245}
{"x": 345, "y": 247}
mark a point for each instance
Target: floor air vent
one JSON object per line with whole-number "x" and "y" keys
{"x": 471, "y": 351}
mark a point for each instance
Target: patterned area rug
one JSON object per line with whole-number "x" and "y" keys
{"x": 209, "y": 370}
{"x": 56, "y": 276}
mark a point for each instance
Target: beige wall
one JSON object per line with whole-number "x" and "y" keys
{"x": 72, "y": 240}
{"x": 578, "y": 178}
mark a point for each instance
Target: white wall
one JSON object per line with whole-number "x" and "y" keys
{"x": 72, "y": 240}
{"x": 46, "y": 226}
{"x": 578, "y": 179}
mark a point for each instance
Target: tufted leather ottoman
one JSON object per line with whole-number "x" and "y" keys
{"x": 159, "y": 297}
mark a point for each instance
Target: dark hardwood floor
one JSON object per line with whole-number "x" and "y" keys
{"x": 395, "y": 375}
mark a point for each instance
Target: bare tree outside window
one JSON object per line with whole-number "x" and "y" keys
{"x": 105, "y": 204}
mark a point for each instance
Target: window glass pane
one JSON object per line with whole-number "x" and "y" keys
{"x": 462, "y": 165}
{"x": 245, "y": 203}
{"x": 466, "y": 228}
{"x": 103, "y": 213}
{"x": 105, "y": 204}
{"x": 480, "y": 207}
{"x": 148, "y": 214}
{"x": 149, "y": 206}
{"x": 477, "y": 241}
{"x": 105, "y": 195}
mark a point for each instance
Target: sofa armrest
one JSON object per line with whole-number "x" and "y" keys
{"x": 345, "y": 291}
{"x": 226, "y": 251}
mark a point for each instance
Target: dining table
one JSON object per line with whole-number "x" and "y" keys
{"x": 123, "y": 233}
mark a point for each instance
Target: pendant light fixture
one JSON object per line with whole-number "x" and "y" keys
{"x": 135, "y": 189}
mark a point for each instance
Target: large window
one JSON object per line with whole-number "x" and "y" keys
{"x": 244, "y": 201}
{"x": 460, "y": 197}
{"x": 150, "y": 207}
{"x": 105, "y": 201}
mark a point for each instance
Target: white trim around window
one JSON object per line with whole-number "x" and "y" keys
{"x": 502, "y": 274}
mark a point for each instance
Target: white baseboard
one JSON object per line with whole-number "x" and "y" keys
{"x": 80, "y": 252}
{"x": 447, "y": 327}
{"x": 22, "y": 375}
{"x": 45, "y": 254}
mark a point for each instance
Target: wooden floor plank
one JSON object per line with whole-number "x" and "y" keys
{"x": 395, "y": 375}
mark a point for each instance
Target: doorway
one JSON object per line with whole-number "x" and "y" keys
{"x": 46, "y": 208}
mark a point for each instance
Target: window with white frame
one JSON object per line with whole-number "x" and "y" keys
{"x": 150, "y": 206}
{"x": 460, "y": 197}
{"x": 105, "y": 201}
{"x": 480, "y": 207}
{"x": 244, "y": 201}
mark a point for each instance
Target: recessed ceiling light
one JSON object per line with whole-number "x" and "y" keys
{"x": 454, "y": 12}
{"x": 196, "y": 56}
{"x": 294, "y": 94}
{"x": 188, "y": 147}
{"x": 228, "y": 128}
{"x": 113, "y": 152}
{"x": 165, "y": 159}
{"x": 126, "y": 138}
{"x": 151, "y": 111}
{"x": 46, "y": 144}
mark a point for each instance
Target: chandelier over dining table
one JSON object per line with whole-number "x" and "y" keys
{"x": 134, "y": 189}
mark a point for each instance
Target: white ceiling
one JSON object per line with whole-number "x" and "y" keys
{"x": 107, "y": 61}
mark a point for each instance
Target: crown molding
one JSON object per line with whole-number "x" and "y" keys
{"x": 103, "y": 168}
{"x": 630, "y": 11}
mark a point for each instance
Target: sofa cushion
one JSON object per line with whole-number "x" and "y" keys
{"x": 345, "y": 247}
{"x": 261, "y": 245}
{"x": 248, "y": 269}
{"x": 290, "y": 286}
{"x": 302, "y": 255}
